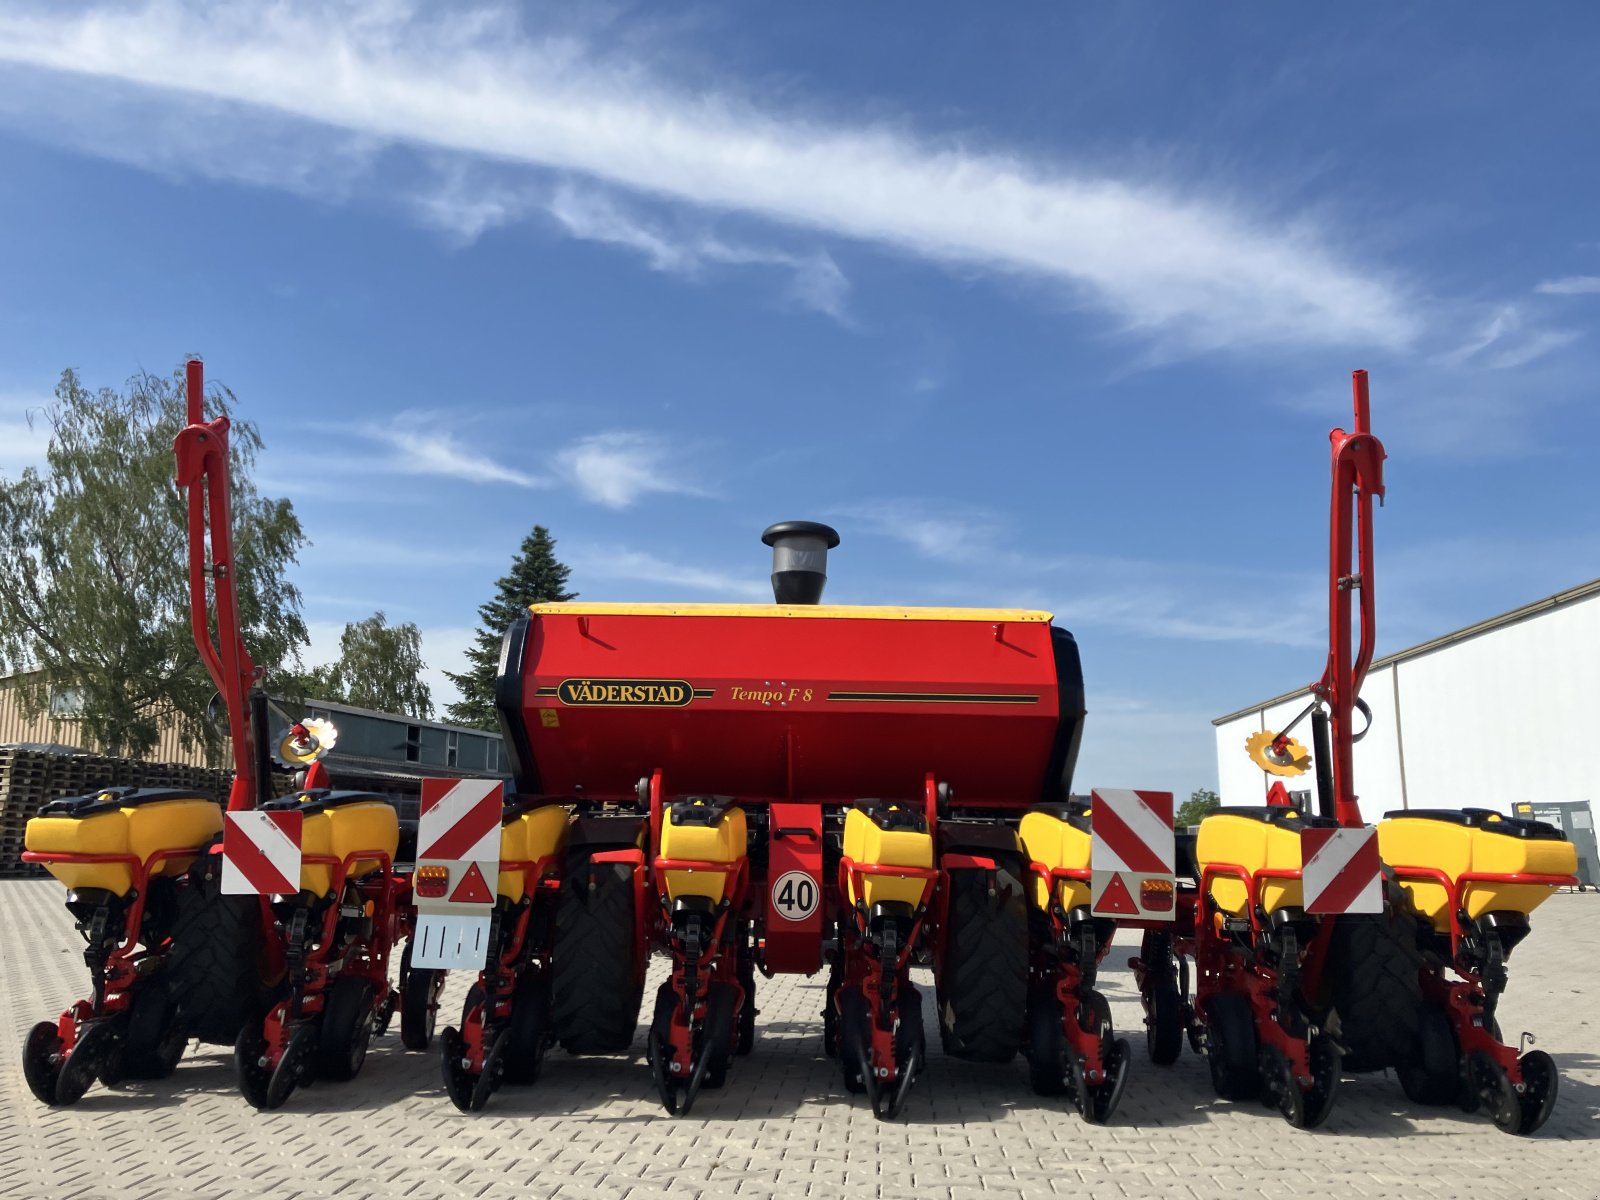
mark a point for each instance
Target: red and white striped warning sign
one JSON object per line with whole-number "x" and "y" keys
{"x": 458, "y": 854}
{"x": 1133, "y": 854}
{"x": 1340, "y": 870}
{"x": 460, "y": 819}
{"x": 261, "y": 853}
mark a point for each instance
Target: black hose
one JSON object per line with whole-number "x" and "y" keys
{"x": 261, "y": 735}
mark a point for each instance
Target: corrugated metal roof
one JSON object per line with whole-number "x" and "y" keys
{"x": 400, "y": 718}
{"x": 1572, "y": 595}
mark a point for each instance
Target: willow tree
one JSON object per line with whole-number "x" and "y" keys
{"x": 94, "y": 579}
{"x": 379, "y": 667}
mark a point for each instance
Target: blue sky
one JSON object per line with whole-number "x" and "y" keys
{"x": 1049, "y": 309}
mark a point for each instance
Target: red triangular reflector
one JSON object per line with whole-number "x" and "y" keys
{"x": 473, "y": 890}
{"x": 1117, "y": 900}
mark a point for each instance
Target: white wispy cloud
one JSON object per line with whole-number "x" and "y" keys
{"x": 1508, "y": 339}
{"x": 616, "y": 563}
{"x": 815, "y": 280}
{"x": 942, "y": 532}
{"x": 1571, "y": 285}
{"x": 616, "y": 468}
{"x": 1178, "y": 600}
{"x": 1152, "y": 257}
{"x": 422, "y": 444}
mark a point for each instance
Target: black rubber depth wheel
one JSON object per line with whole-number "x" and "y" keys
{"x": 830, "y": 1013}
{"x": 1495, "y": 1092}
{"x": 855, "y": 1040}
{"x": 346, "y": 1030}
{"x": 1541, "y": 1083}
{"x": 1327, "y": 1068}
{"x": 749, "y": 1012}
{"x": 596, "y": 978}
{"x": 717, "y": 1035}
{"x": 41, "y": 1060}
{"x": 267, "y": 1089}
{"x": 153, "y": 1037}
{"x": 527, "y": 1032}
{"x": 983, "y": 981}
{"x": 1434, "y": 1074}
{"x": 419, "y": 1003}
{"x": 1374, "y": 970}
{"x": 1163, "y": 1026}
{"x": 1048, "y": 1070}
{"x": 1231, "y": 1048}
{"x": 97, "y": 1042}
{"x": 212, "y": 967}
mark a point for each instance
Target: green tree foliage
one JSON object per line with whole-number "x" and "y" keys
{"x": 1200, "y": 802}
{"x": 94, "y": 579}
{"x": 536, "y": 577}
{"x": 379, "y": 666}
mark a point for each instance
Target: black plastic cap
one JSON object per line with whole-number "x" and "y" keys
{"x": 801, "y": 529}
{"x": 799, "y": 560}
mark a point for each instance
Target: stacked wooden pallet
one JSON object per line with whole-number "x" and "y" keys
{"x": 24, "y": 783}
{"x": 29, "y": 778}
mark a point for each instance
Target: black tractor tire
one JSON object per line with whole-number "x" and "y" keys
{"x": 596, "y": 976}
{"x": 1374, "y": 975}
{"x": 212, "y": 968}
{"x": 983, "y": 981}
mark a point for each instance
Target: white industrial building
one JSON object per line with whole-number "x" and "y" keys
{"x": 1504, "y": 711}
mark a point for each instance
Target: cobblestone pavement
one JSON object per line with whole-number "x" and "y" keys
{"x": 783, "y": 1126}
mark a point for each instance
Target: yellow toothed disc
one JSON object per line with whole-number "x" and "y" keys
{"x": 318, "y": 738}
{"x": 1292, "y": 760}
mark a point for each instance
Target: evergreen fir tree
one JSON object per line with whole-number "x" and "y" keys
{"x": 536, "y": 577}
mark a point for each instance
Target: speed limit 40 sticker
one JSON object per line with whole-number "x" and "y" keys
{"x": 795, "y": 895}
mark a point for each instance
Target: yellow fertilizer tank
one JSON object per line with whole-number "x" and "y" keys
{"x": 1257, "y": 839}
{"x": 1459, "y": 842}
{"x": 340, "y": 824}
{"x": 528, "y": 837}
{"x": 889, "y": 835}
{"x": 702, "y": 829}
{"x": 121, "y": 822}
{"x": 1057, "y": 837}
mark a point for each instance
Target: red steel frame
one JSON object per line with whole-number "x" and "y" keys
{"x": 1357, "y": 458}
{"x": 202, "y": 451}
{"x": 121, "y": 968}
{"x": 1462, "y": 999}
{"x": 867, "y": 971}
{"x": 498, "y": 982}
{"x": 1084, "y": 1043}
{"x": 308, "y": 995}
{"x": 723, "y": 967}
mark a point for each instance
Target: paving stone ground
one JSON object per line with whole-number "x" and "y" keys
{"x": 784, "y": 1125}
